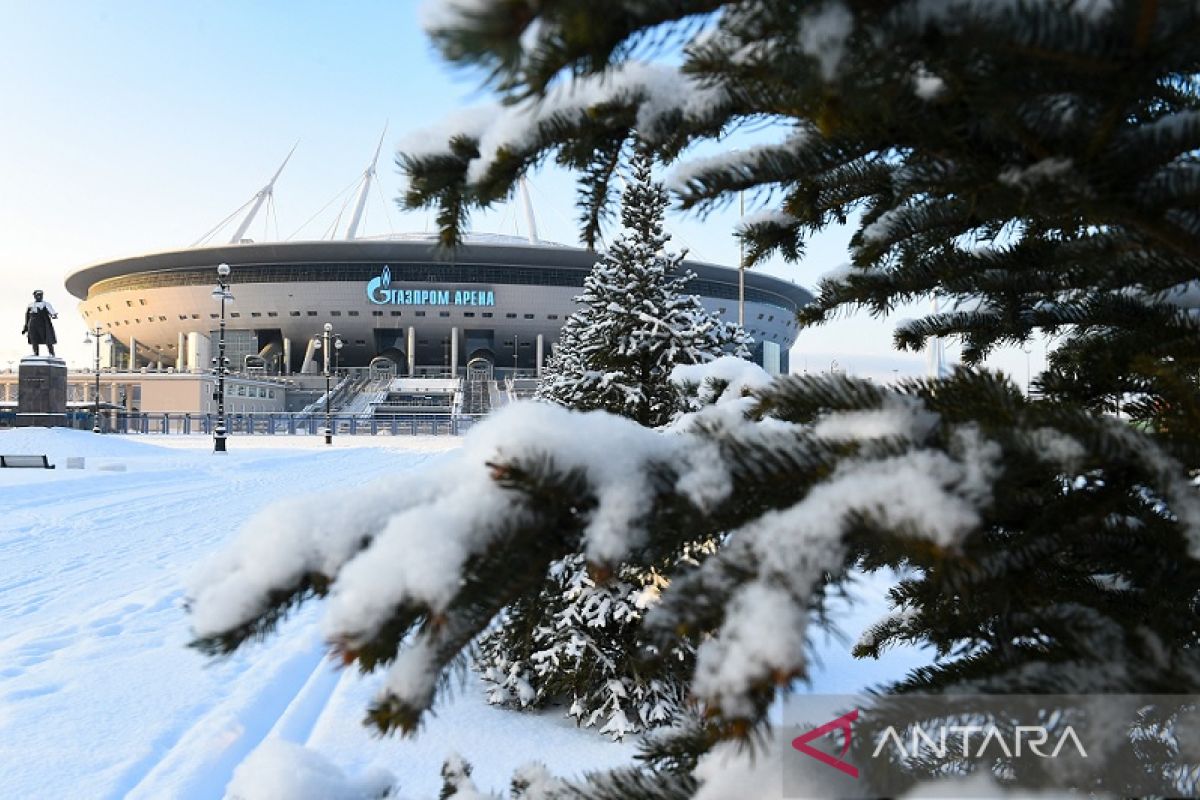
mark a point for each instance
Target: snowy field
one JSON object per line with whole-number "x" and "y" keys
{"x": 101, "y": 698}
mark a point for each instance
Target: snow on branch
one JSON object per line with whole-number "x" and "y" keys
{"x": 661, "y": 94}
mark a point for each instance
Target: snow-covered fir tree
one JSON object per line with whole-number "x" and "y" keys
{"x": 636, "y": 321}
{"x": 1032, "y": 162}
{"x": 576, "y": 641}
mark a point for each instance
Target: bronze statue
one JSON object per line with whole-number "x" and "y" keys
{"x": 38, "y": 327}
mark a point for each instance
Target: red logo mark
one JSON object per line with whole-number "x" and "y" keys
{"x": 841, "y": 723}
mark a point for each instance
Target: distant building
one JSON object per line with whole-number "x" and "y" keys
{"x": 497, "y": 303}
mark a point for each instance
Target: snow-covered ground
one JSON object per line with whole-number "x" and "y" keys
{"x": 99, "y": 694}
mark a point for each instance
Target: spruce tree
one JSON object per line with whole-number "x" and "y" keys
{"x": 635, "y": 321}
{"x": 1033, "y": 161}
{"x": 577, "y": 641}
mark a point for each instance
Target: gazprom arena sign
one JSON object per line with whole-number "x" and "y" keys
{"x": 380, "y": 292}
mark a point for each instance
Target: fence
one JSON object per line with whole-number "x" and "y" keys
{"x": 270, "y": 423}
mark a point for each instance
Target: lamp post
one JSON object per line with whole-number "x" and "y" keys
{"x": 96, "y": 334}
{"x": 222, "y": 294}
{"x": 330, "y": 342}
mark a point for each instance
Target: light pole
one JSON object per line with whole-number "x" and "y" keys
{"x": 515, "y": 351}
{"x": 1027, "y": 350}
{"x": 328, "y": 341}
{"x": 96, "y": 334}
{"x": 222, "y": 294}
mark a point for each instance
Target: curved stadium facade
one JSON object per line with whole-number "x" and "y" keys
{"x": 496, "y": 301}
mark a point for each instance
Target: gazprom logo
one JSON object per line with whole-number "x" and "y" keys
{"x": 380, "y": 292}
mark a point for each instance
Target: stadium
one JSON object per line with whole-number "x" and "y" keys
{"x": 399, "y": 302}
{"x": 416, "y": 331}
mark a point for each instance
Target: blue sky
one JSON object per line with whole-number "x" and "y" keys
{"x": 135, "y": 126}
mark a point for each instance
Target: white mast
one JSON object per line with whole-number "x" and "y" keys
{"x": 529, "y": 220}
{"x": 368, "y": 175}
{"x": 261, "y": 198}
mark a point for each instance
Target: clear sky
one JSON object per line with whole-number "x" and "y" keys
{"x": 137, "y": 125}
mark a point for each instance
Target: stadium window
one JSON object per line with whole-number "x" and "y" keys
{"x": 420, "y": 313}
{"x": 141, "y": 301}
{"x": 272, "y": 313}
{"x": 311, "y": 313}
{"x": 510, "y": 315}
{"x": 396, "y": 313}
{"x": 524, "y": 344}
{"x": 183, "y": 316}
{"x": 360, "y": 342}
{"x": 721, "y": 310}
{"x": 529, "y": 316}
{"x": 335, "y": 313}
{"x": 468, "y": 313}
{"x": 443, "y": 313}
{"x": 487, "y": 314}
{"x": 213, "y": 316}
{"x": 760, "y": 316}
{"x": 195, "y": 316}
{"x": 126, "y": 322}
{"x": 107, "y": 307}
{"x": 256, "y": 314}
{"x": 293, "y": 313}
{"x": 138, "y": 320}
{"x": 552, "y": 316}
{"x": 129, "y": 303}
{"x": 235, "y": 314}
{"x": 162, "y": 319}
{"x": 352, "y": 313}
{"x": 771, "y": 318}
{"x": 376, "y": 313}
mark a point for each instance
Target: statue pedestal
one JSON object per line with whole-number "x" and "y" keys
{"x": 42, "y": 393}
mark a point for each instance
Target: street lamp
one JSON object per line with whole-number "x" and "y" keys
{"x": 96, "y": 334}
{"x": 222, "y": 294}
{"x": 330, "y": 342}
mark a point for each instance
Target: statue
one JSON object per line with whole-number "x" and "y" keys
{"x": 38, "y": 327}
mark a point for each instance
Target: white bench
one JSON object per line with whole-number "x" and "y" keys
{"x": 35, "y": 462}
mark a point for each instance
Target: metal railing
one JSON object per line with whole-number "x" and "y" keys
{"x": 268, "y": 423}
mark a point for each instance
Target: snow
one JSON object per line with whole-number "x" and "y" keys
{"x": 100, "y": 695}
{"x": 766, "y": 216}
{"x": 726, "y": 773}
{"x": 280, "y": 770}
{"x": 823, "y": 35}
{"x": 443, "y": 14}
{"x": 1045, "y": 170}
{"x": 93, "y": 636}
{"x": 659, "y": 91}
{"x": 735, "y": 164}
{"x": 927, "y": 85}
{"x": 737, "y": 376}
{"x": 934, "y": 495}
